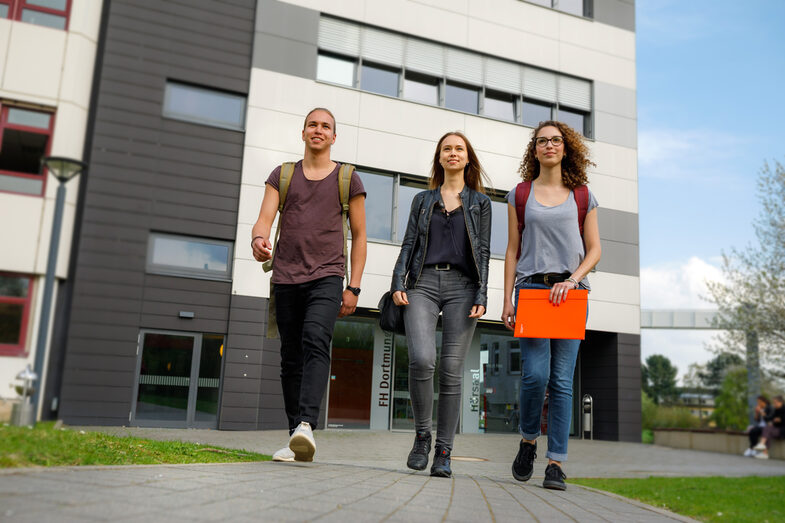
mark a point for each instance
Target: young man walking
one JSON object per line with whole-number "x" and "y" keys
{"x": 308, "y": 271}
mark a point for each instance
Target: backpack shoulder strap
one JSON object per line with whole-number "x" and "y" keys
{"x": 581, "y": 194}
{"x": 287, "y": 173}
{"x": 522, "y": 191}
{"x": 344, "y": 185}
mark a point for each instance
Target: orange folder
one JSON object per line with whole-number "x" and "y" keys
{"x": 536, "y": 317}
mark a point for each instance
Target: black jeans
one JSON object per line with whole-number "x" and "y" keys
{"x": 306, "y": 314}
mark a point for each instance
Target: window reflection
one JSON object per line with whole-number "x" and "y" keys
{"x": 406, "y": 194}
{"x": 534, "y": 113}
{"x": 378, "y": 205}
{"x": 184, "y": 256}
{"x": 499, "y": 105}
{"x": 207, "y": 106}
{"x": 335, "y": 70}
{"x": 574, "y": 119}
{"x": 498, "y": 228}
{"x": 379, "y": 80}
{"x": 420, "y": 88}
{"x": 461, "y": 98}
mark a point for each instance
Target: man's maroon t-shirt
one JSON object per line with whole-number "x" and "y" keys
{"x": 311, "y": 242}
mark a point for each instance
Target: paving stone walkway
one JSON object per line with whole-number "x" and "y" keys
{"x": 349, "y": 482}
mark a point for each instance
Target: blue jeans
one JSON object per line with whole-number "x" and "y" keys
{"x": 451, "y": 293}
{"x": 547, "y": 363}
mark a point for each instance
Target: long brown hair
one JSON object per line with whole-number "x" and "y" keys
{"x": 573, "y": 165}
{"x": 473, "y": 173}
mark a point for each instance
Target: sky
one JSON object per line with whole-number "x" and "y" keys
{"x": 711, "y": 78}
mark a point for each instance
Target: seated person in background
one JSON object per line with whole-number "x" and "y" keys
{"x": 774, "y": 429}
{"x": 763, "y": 412}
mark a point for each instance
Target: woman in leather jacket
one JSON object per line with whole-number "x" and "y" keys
{"x": 443, "y": 268}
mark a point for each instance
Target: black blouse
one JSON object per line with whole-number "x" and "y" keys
{"x": 448, "y": 241}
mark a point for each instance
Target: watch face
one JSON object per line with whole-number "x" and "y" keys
{"x": 353, "y": 290}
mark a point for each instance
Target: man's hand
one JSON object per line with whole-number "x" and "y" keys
{"x": 262, "y": 249}
{"x": 348, "y": 303}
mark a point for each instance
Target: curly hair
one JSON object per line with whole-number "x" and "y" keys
{"x": 573, "y": 165}
{"x": 473, "y": 173}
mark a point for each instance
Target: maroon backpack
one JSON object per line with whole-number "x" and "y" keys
{"x": 580, "y": 193}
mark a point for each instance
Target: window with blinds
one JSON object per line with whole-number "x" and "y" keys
{"x": 397, "y": 65}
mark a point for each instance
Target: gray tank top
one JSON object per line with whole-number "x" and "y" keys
{"x": 551, "y": 240}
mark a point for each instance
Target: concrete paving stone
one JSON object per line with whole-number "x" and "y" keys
{"x": 106, "y": 510}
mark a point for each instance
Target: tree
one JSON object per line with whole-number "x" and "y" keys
{"x": 730, "y": 406}
{"x": 711, "y": 376}
{"x": 752, "y": 297}
{"x": 658, "y": 378}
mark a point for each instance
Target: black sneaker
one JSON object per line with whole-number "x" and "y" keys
{"x": 418, "y": 457}
{"x": 441, "y": 462}
{"x": 523, "y": 466}
{"x": 554, "y": 477}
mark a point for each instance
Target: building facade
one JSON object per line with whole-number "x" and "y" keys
{"x": 195, "y": 103}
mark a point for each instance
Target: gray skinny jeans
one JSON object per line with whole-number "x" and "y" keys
{"x": 452, "y": 293}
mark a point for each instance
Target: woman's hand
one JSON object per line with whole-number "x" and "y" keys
{"x": 559, "y": 292}
{"x": 508, "y": 315}
{"x": 400, "y": 298}
{"x": 477, "y": 311}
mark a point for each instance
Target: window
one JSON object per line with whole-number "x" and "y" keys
{"x": 379, "y": 80}
{"x": 513, "y": 358}
{"x": 335, "y": 70}
{"x": 15, "y": 293}
{"x": 406, "y": 192}
{"x": 533, "y": 113}
{"x": 575, "y": 119}
{"x": 499, "y": 105}
{"x": 189, "y": 257}
{"x": 48, "y": 13}
{"x": 204, "y": 106}
{"x": 421, "y": 88}
{"x": 461, "y": 98}
{"x": 378, "y": 205}
{"x": 574, "y": 7}
{"x": 498, "y": 226}
{"x": 25, "y": 137}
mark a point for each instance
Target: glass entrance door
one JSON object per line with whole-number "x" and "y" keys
{"x": 351, "y": 371}
{"x": 178, "y": 379}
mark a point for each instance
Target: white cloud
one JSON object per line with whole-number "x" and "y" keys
{"x": 687, "y": 153}
{"x": 680, "y": 285}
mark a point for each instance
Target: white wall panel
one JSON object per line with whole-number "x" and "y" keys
{"x": 35, "y": 60}
{"x": 20, "y": 241}
{"x": 596, "y": 65}
{"x": 614, "y": 160}
{"x": 69, "y": 130}
{"x": 614, "y": 317}
{"x": 85, "y": 18}
{"x": 396, "y": 116}
{"x": 439, "y": 24}
{"x": 618, "y": 288}
{"x": 259, "y": 163}
{"x": 78, "y": 70}
{"x": 384, "y": 151}
{"x": 599, "y": 37}
{"x": 615, "y": 193}
{"x": 5, "y": 38}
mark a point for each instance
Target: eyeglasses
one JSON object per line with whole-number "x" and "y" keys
{"x": 555, "y": 140}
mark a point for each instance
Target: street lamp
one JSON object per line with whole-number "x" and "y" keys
{"x": 63, "y": 169}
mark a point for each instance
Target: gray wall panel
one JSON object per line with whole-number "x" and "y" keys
{"x": 286, "y": 56}
{"x": 619, "y": 258}
{"x": 616, "y": 130}
{"x": 619, "y": 13}
{"x": 614, "y": 99}
{"x": 152, "y": 173}
{"x": 618, "y": 226}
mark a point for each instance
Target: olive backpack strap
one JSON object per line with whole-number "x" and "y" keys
{"x": 521, "y": 197}
{"x": 287, "y": 173}
{"x": 344, "y": 187}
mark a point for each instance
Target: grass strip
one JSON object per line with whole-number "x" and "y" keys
{"x": 751, "y": 498}
{"x": 47, "y": 446}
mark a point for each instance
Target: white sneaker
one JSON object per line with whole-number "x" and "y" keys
{"x": 749, "y": 453}
{"x": 284, "y": 454}
{"x": 759, "y": 446}
{"x": 762, "y": 455}
{"x": 302, "y": 443}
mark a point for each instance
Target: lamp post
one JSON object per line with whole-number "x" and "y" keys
{"x": 63, "y": 169}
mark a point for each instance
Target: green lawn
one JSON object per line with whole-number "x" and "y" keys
{"x": 46, "y": 446}
{"x": 752, "y": 498}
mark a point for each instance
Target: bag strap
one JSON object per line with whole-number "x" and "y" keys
{"x": 285, "y": 180}
{"x": 581, "y": 194}
{"x": 521, "y": 197}
{"x": 344, "y": 186}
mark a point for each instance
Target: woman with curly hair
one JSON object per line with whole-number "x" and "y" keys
{"x": 554, "y": 250}
{"x": 443, "y": 267}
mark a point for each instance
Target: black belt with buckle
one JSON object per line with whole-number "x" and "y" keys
{"x": 550, "y": 278}
{"x": 441, "y": 266}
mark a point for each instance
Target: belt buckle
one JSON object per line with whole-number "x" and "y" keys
{"x": 442, "y": 266}
{"x": 546, "y": 279}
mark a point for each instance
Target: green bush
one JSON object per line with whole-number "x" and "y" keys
{"x": 655, "y": 416}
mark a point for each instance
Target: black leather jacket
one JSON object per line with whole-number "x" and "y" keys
{"x": 476, "y": 211}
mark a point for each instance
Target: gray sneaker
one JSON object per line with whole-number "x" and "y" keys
{"x": 302, "y": 443}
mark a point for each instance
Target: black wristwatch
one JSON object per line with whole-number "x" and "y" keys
{"x": 353, "y": 290}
